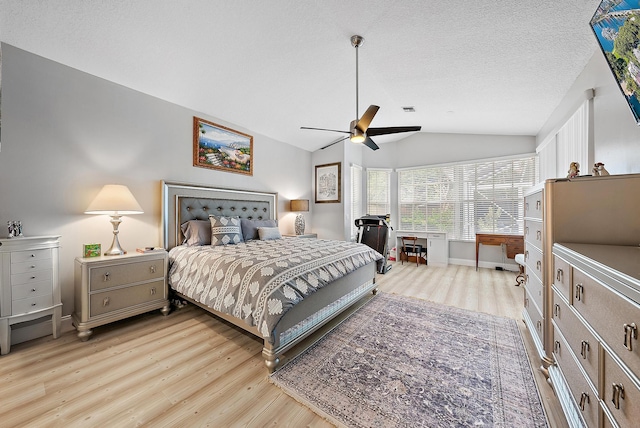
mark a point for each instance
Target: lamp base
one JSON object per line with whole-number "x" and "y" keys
{"x": 299, "y": 224}
{"x": 115, "y": 249}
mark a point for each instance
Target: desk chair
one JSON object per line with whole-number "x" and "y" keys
{"x": 410, "y": 247}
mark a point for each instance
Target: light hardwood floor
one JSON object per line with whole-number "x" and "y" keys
{"x": 190, "y": 370}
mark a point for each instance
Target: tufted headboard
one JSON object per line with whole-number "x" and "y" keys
{"x": 183, "y": 202}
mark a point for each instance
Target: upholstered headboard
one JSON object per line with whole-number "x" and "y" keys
{"x": 183, "y": 202}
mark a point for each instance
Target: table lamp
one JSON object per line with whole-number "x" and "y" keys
{"x": 299, "y": 206}
{"x": 114, "y": 200}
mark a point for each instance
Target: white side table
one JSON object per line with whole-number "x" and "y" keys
{"x": 306, "y": 235}
{"x": 29, "y": 284}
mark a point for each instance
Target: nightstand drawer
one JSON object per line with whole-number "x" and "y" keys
{"x": 125, "y": 298}
{"x": 23, "y": 256}
{"x": 31, "y": 277}
{"x": 31, "y": 304}
{"x": 34, "y": 289}
{"x": 125, "y": 273}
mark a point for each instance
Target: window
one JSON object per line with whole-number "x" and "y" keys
{"x": 356, "y": 198}
{"x": 378, "y": 191}
{"x": 463, "y": 199}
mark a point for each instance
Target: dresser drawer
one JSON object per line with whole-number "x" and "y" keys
{"x": 34, "y": 289}
{"x": 590, "y": 298}
{"x": 623, "y": 405}
{"x": 533, "y": 205}
{"x": 562, "y": 277}
{"x": 31, "y": 277}
{"x": 23, "y": 256}
{"x": 582, "y": 391}
{"x": 31, "y": 304}
{"x": 534, "y": 287}
{"x": 533, "y": 233}
{"x": 583, "y": 344}
{"x": 31, "y": 266}
{"x": 533, "y": 260}
{"x": 125, "y": 298}
{"x": 534, "y": 314}
{"x": 125, "y": 273}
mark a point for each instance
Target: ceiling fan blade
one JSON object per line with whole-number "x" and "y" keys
{"x": 334, "y": 142}
{"x": 369, "y": 143}
{"x": 324, "y": 129}
{"x": 392, "y": 130}
{"x": 367, "y": 117}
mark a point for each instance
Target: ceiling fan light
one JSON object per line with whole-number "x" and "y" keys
{"x": 357, "y": 138}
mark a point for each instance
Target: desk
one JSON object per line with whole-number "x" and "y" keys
{"x": 436, "y": 245}
{"x": 514, "y": 243}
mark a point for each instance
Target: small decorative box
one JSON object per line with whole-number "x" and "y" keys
{"x": 91, "y": 250}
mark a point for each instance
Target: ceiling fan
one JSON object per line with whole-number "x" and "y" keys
{"x": 359, "y": 131}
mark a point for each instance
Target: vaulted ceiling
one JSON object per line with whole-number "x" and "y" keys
{"x": 481, "y": 67}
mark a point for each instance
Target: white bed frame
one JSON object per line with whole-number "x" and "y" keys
{"x": 183, "y": 202}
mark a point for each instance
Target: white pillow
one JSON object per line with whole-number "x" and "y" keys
{"x": 269, "y": 233}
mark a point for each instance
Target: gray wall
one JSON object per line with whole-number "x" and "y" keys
{"x": 66, "y": 133}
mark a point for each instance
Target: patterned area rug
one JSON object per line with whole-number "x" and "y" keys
{"x": 404, "y": 362}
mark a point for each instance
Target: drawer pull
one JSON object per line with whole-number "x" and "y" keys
{"x": 584, "y": 399}
{"x": 153, "y": 290}
{"x": 538, "y": 204}
{"x": 630, "y": 332}
{"x": 526, "y": 302}
{"x": 526, "y": 255}
{"x": 33, "y": 304}
{"x": 33, "y": 277}
{"x": 33, "y": 289}
{"x": 559, "y": 275}
{"x": 32, "y": 266}
{"x": 526, "y": 206}
{"x": 618, "y": 393}
{"x": 556, "y": 347}
{"x": 153, "y": 268}
{"x": 526, "y": 230}
{"x": 33, "y": 255}
{"x": 539, "y": 265}
{"x": 107, "y": 276}
{"x": 584, "y": 348}
{"x": 556, "y": 310}
{"x": 539, "y": 326}
{"x": 579, "y": 292}
{"x": 539, "y": 235}
{"x": 106, "y": 301}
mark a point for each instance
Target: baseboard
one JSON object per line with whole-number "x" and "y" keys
{"x": 511, "y": 267}
{"x": 29, "y": 331}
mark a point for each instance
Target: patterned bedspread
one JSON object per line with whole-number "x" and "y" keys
{"x": 258, "y": 281}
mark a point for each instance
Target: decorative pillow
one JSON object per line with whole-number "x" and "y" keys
{"x": 250, "y": 227}
{"x": 225, "y": 230}
{"x": 196, "y": 232}
{"x": 269, "y": 233}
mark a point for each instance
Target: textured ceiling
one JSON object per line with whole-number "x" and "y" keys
{"x": 482, "y": 67}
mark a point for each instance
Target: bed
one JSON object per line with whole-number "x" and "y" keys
{"x": 278, "y": 289}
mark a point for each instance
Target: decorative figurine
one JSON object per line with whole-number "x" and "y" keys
{"x": 599, "y": 170}
{"x": 574, "y": 170}
{"x": 10, "y": 229}
{"x": 15, "y": 229}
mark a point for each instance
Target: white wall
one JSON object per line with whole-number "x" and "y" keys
{"x": 66, "y": 133}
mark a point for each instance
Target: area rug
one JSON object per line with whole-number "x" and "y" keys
{"x": 404, "y": 362}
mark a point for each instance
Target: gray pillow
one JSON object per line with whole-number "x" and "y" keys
{"x": 250, "y": 227}
{"x": 196, "y": 232}
{"x": 225, "y": 230}
{"x": 269, "y": 233}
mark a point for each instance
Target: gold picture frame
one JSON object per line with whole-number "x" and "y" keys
{"x": 328, "y": 183}
{"x": 218, "y": 147}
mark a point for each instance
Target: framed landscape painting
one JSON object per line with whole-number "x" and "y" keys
{"x": 328, "y": 183}
{"x": 218, "y": 147}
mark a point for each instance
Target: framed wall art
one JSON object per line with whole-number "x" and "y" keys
{"x": 218, "y": 147}
{"x": 328, "y": 183}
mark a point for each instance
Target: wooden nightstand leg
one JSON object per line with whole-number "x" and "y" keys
{"x": 84, "y": 334}
{"x": 165, "y": 310}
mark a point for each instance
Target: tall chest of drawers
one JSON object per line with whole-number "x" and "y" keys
{"x": 29, "y": 285}
{"x": 111, "y": 288}
{"x": 596, "y": 316}
{"x": 536, "y": 295}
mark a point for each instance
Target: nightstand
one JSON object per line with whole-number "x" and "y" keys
{"x": 111, "y": 288}
{"x": 306, "y": 235}
{"x": 29, "y": 287}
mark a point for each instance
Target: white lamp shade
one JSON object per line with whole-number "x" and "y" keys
{"x": 114, "y": 198}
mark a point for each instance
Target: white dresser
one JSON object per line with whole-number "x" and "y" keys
{"x": 29, "y": 285}
{"x": 111, "y": 288}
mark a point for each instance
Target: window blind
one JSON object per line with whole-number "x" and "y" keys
{"x": 378, "y": 191}
{"x": 465, "y": 199}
